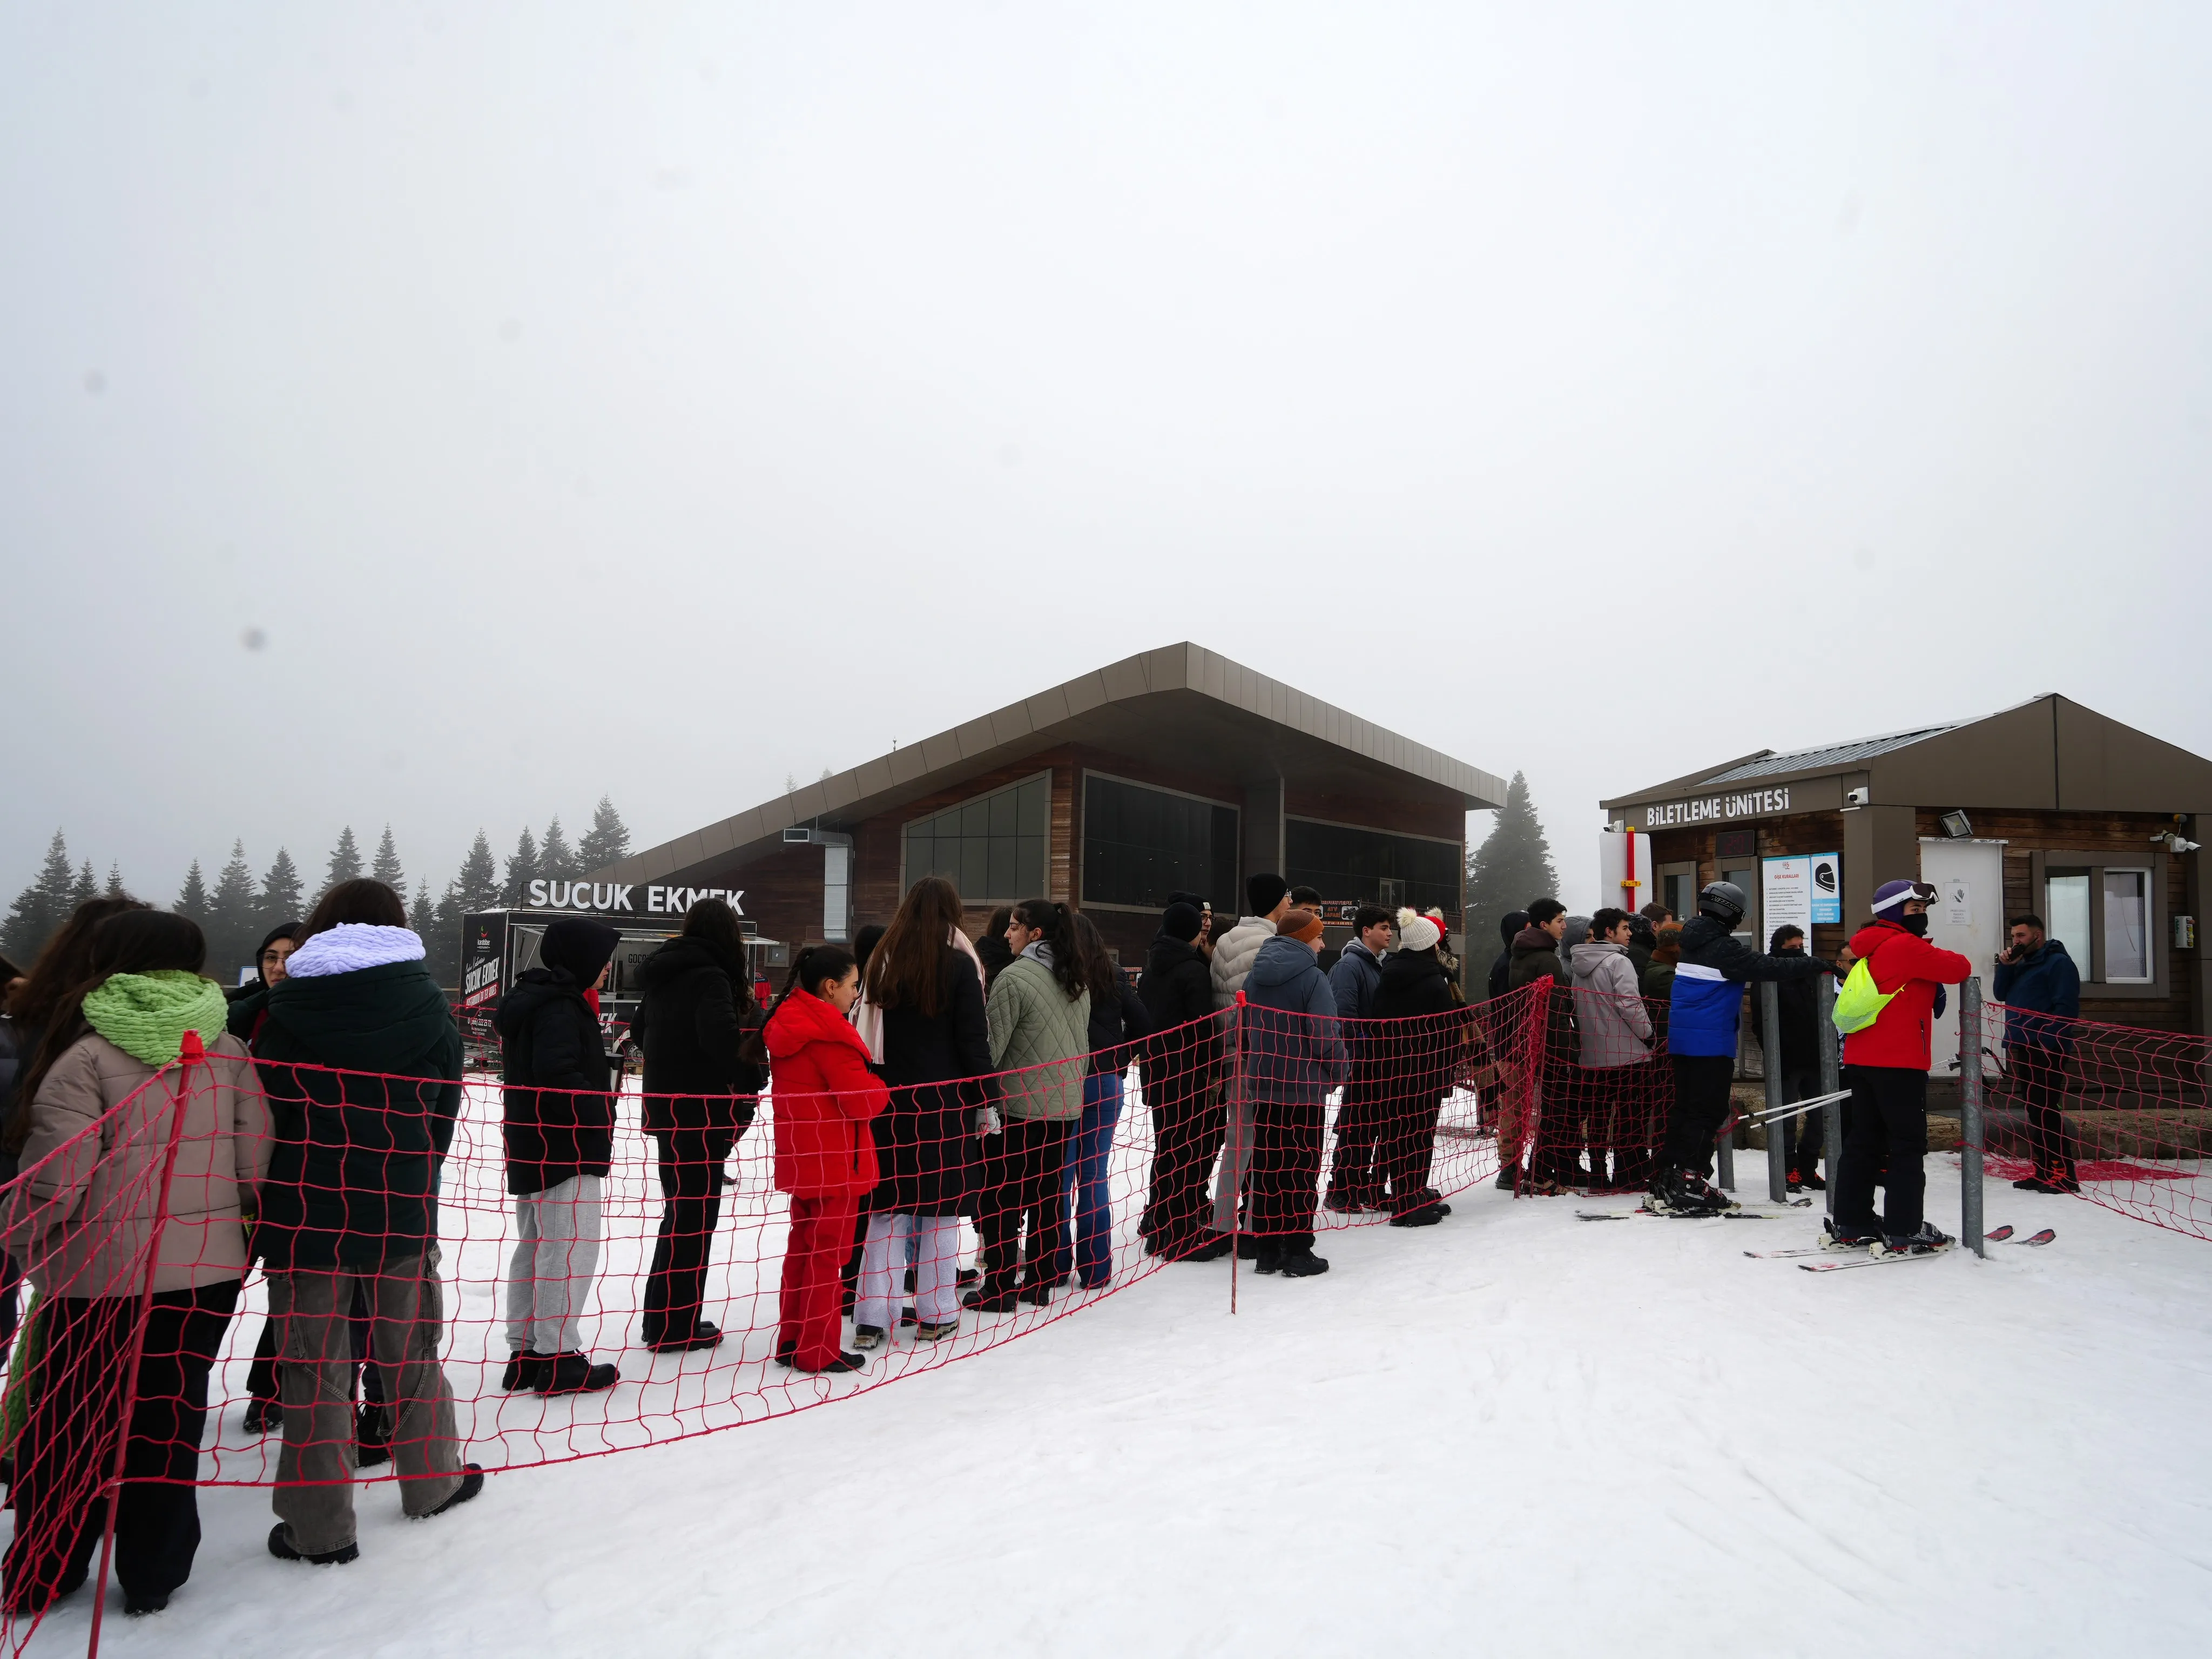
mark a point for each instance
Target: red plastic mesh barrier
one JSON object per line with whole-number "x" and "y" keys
{"x": 2123, "y": 1110}
{"x": 1592, "y": 1087}
{"x": 391, "y": 1360}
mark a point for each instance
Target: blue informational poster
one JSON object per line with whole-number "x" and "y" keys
{"x": 1827, "y": 887}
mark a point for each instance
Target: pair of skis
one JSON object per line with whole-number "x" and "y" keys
{"x": 1725, "y": 1215}
{"x": 2002, "y": 1236}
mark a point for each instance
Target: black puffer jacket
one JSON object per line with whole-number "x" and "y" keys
{"x": 354, "y": 1177}
{"x": 560, "y": 1107}
{"x": 1418, "y": 1060}
{"x": 1116, "y": 1026}
{"x": 926, "y": 1145}
{"x": 695, "y": 1012}
{"x": 1177, "y": 988}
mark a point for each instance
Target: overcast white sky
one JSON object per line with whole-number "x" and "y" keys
{"x": 662, "y": 399}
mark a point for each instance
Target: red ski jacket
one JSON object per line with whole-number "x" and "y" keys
{"x": 1909, "y": 965}
{"x": 821, "y": 1096}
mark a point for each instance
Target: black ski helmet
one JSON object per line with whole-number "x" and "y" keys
{"x": 1723, "y": 900}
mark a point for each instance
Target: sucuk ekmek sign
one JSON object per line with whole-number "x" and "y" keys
{"x": 616, "y": 896}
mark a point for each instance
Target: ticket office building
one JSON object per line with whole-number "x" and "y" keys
{"x": 2049, "y": 807}
{"x": 1175, "y": 770}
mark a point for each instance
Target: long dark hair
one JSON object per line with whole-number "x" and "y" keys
{"x": 907, "y": 968}
{"x": 809, "y": 968}
{"x": 1056, "y": 922}
{"x": 714, "y": 924}
{"x": 364, "y": 900}
{"x": 138, "y": 940}
{"x": 1100, "y": 976}
{"x": 65, "y": 961}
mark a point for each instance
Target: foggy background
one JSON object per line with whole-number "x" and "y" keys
{"x": 664, "y": 401}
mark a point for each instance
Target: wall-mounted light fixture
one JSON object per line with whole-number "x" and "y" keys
{"x": 1955, "y": 825}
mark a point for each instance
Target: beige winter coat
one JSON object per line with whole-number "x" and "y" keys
{"x": 82, "y": 1215}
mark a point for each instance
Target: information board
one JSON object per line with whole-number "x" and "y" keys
{"x": 1802, "y": 890}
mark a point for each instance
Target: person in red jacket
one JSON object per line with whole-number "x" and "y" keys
{"x": 1885, "y": 1068}
{"x": 821, "y": 1097}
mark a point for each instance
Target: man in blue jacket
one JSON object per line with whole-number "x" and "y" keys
{"x": 1704, "y": 1013}
{"x": 2041, "y": 990}
{"x": 1293, "y": 1056}
{"x": 1354, "y": 1184}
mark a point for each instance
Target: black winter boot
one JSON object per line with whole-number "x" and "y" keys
{"x": 575, "y": 1373}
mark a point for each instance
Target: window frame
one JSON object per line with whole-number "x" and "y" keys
{"x": 975, "y": 900}
{"x": 1083, "y": 818}
{"x": 2043, "y": 862}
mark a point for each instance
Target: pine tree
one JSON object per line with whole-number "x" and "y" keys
{"x": 477, "y": 887}
{"x": 606, "y": 840}
{"x": 345, "y": 860}
{"x": 387, "y": 868}
{"x": 87, "y": 885}
{"x": 441, "y": 940}
{"x": 555, "y": 860}
{"x": 282, "y": 899}
{"x": 115, "y": 883}
{"x": 41, "y": 907}
{"x": 1512, "y": 866}
{"x": 422, "y": 914}
{"x": 522, "y": 869}
{"x": 193, "y": 901}
{"x": 234, "y": 917}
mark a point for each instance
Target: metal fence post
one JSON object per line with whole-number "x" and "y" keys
{"x": 1970, "y": 1115}
{"x": 1831, "y": 1079}
{"x": 1778, "y": 1132}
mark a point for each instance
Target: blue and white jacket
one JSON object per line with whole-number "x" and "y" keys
{"x": 1707, "y": 1005}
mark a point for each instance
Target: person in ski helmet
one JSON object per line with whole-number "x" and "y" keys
{"x": 1703, "y": 1011}
{"x": 1885, "y": 1068}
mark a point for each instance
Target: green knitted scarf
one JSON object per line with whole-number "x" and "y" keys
{"x": 147, "y": 1015}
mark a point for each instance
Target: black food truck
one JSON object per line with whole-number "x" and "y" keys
{"x": 499, "y": 946}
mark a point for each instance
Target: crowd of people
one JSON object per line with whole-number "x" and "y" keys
{"x": 919, "y": 1077}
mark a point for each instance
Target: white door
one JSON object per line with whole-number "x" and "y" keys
{"x": 1968, "y": 917}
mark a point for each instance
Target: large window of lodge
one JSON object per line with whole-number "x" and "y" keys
{"x": 1141, "y": 844}
{"x": 992, "y": 848}
{"x": 1370, "y": 866}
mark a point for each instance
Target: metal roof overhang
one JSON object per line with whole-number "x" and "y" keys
{"x": 1183, "y": 706}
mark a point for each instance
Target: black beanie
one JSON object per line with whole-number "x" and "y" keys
{"x": 579, "y": 946}
{"x": 1181, "y": 922}
{"x": 1263, "y": 892}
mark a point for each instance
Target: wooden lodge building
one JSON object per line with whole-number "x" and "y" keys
{"x": 2048, "y": 807}
{"x": 1174, "y": 769}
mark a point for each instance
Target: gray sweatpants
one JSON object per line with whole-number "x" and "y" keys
{"x": 556, "y": 1256}
{"x": 312, "y": 1307}
{"x": 1235, "y": 1156}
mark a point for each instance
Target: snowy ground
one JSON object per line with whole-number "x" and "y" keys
{"x": 1515, "y": 1433}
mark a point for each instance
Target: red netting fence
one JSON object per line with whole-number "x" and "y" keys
{"x": 388, "y": 1277}
{"x": 2125, "y": 1112}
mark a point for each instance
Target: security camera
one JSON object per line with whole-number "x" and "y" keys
{"x": 2174, "y": 841}
{"x": 1855, "y": 797}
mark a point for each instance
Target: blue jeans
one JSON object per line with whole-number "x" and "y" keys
{"x": 1088, "y": 1157}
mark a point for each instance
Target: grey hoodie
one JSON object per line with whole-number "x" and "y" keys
{"x": 1615, "y": 1025}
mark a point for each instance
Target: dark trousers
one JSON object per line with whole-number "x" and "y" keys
{"x": 1027, "y": 1183}
{"x": 264, "y": 1377}
{"x": 67, "y": 1448}
{"x": 1802, "y": 1083}
{"x": 2038, "y": 1077}
{"x": 1886, "y": 1145}
{"x": 1285, "y": 1172}
{"x": 1701, "y": 1106}
{"x": 1187, "y": 1127}
{"x": 692, "y": 1183}
{"x": 1406, "y": 1145}
{"x": 1355, "y": 1166}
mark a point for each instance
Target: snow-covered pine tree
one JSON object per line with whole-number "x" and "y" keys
{"x": 522, "y": 869}
{"x": 234, "y": 918}
{"x": 557, "y": 859}
{"x": 42, "y": 907}
{"x": 606, "y": 840}
{"x": 1512, "y": 866}
{"x": 345, "y": 860}
{"x": 193, "y": 901}
{"x": 281, "y": 897}
{"x": 386, "y": 867}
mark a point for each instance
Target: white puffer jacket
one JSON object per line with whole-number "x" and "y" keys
{"x": 1233, "y": 955}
